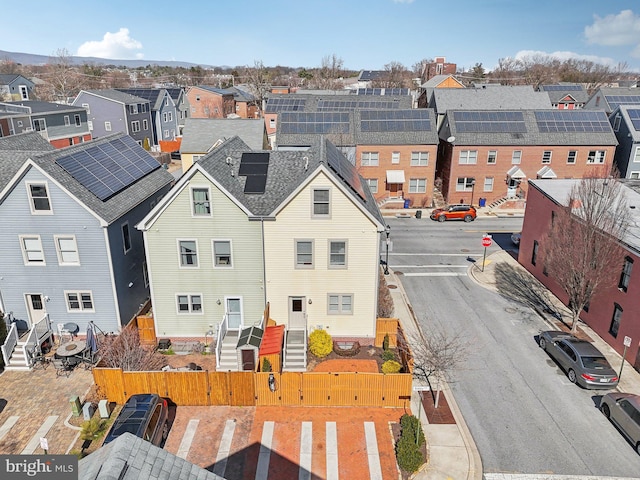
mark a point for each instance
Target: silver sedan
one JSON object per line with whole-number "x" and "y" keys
{"x": 623, "y": 409}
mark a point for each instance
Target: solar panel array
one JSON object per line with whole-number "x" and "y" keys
{"x": 146, "y": 93}
{"x": 383, "y": 91}
{"x": 348, "y": 105}
{"x": 313, "y": 122}
{"x": 254, "y": 165}
{"x": 561, "y": 88}
{"x": 489, "y": 122}
{"x": 395, "y": 120}
{"x": 616, "y": 100}
{"x": 109, "y": 168}
{"x": 634, "y": 115}
{"x": 288, "y": 104}
{"x": 345, "y": 170}
{"x": 572, "y": 121}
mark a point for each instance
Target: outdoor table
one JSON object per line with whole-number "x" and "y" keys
{"x": 72, "y": 328}
{"x": 71, "y": 349}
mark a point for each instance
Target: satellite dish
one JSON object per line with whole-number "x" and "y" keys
{"x": 451, "y": 139}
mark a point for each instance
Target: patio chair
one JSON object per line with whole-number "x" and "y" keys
{"x": 89, "y": 359}
{"x": 62, "y": 368}
{"x": 39, "y": 361}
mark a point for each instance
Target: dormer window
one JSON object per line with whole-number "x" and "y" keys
{"x": 39, "y": 196}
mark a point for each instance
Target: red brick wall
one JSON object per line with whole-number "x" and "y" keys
{"x": 537, "y": 221}
{"x": 209, "y": 105}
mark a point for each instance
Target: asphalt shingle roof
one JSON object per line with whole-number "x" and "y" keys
{"x": 153, "y": 95}
{"x": 623, "y": 110}
{"x": 117, "y": 96}
{"x": 314, "y": 102}
{"x": 557, "y": 94}
{"x": 47, "y": 107}
{"x": 30, "y": 141}
{"x": 200, "y": 134}
{"x": 131, "y": 458}
{"x": 517, "y": 97}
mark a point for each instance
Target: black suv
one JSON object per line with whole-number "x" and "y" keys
{"x": 144, "y": 415}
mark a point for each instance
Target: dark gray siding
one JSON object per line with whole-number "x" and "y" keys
{"x": 103, "y": 110}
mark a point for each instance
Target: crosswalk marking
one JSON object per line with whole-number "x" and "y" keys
{"x": 306, "y": 445}
{"x": 262, "y": 472}
{"x": 435, "y": 274}
{"x": 11, "y": 421}
{"x": 187, "y": 438}
{"x": 42, "y": 432}
{"x": 332, "y": 451}
{"x": 225, "y": 448}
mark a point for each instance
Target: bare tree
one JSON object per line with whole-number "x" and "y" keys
{"x": 258, "y": 79}
{"x": 582, "y": 251}
{"x": 395, "y": 76}
{"x": 330, "y": 72}
{"x": 437, "y": 356}
{"x": 126, "y": 352}
{"x": 63, "y": 76}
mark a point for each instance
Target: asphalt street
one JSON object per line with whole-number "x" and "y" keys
{"x": 524, "y": 414}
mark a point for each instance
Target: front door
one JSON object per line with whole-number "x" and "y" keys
{"x": 35, "y": 307}
{"x": 248, "y": 361}
{"x": 297, "y": 313}
{"x": 234, "y": 313}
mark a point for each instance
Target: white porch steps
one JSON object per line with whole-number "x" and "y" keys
{"x": 17, "y": 361}
{"x": 295, "y": 352}
{"x": 229, "y": 354}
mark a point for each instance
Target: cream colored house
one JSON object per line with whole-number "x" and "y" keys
{"x": 297, "y": 231}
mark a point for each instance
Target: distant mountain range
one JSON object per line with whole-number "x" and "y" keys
{"x": 31, "y": 59}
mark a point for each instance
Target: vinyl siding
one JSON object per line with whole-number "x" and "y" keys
{"x": 244, "y": 279}
{"x": 53, "y": 280}
{"x": 347, "y": 222}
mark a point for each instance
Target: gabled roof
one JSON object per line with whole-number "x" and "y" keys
{"x": 110, "y": 209}
{"x": 29, "y": 141}
{"x": 115, "y": 95}
{"x": 241, "y": 95}
{"x": 633, "y": 124}
{"x": 217, "y": 91}
{"x": 528, "y": 127}
{"x": 609, "y": 98}
{"x": 48, "y": 107}
{"x": 335, "y": 103}
{"x": 287, "y": 172}
{"x": 9, "y": 78}
{"x": 155, "y": 96}
{"x": 369, "y": 75}
{"x": 131, "y": 458}
{"x": 175, "y": 92}
{"x": 559, "y": 91}
{"x": 436, "y": 80}
{"x": 200, "y": 134}
{"x": 517, "y": 97}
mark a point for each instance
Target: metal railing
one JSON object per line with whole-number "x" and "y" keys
{"x": 223, "y": 326}
{"x": 10, "y": 343}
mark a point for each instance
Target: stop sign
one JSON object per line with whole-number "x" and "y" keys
{"x": 486, "y": 241}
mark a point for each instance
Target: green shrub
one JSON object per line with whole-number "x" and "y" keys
{"x": 266, "y": 365}
{"x": 391, "y": 366}
{"x": 320, "y": 343}
{"x": 408, "y": 454}
{"x": 385, "y": 342}
{"x": 388, "y": 355}
{"x": 410, "y": 424}
{"x": 92, "y": 429}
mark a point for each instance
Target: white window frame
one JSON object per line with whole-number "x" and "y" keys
{"x": 165, "y": 117}
{"x": 145, "y": 124}
{"x": 369, "y": 159}
{"x": 215, "y": 255}
{"x": 468, "y": 157}
{"x": 297, "y": 253}
{"x": 32, "y": 206}
{"x": 596, "y": 157}
{"x": 417, "y": 185}
{"x": 488, "y": 184}
{"x": 572, "y": 156}
{"x": 330, "y": 254}
{"x": 87, "y": 107}
{"x": 207, "y": 202}
{"x": 135, "y": 126}
{"x": 516, "y": 157}
{"x": 634, "y": 175}
{"x": 636, "y": 155}
{"x": 61, "y": 251}
{"x": 107, "y": 126}
{"x": 165, "y": 133}
{"x": 616, "y": 122}
{"x": 133, "y": 109}
{"x": 190, "y": 303}
{"x": 67, "y": 121}
{"x": 320, "y": 202}
{"x": 340, "y": 303}
{"x": 126, "y": 238}
{"x": 373, "y": 184}
{"x": 197, "y": 255}
{"x": 80, "y": 301}
{"x": 465, "y": 185}
{"x": 395, "y": 157}
{"x": 77, "y": 120}
{"x": 272, "y": 123}
{"x": 39, "y": 124}
{"x": 419, "y": 159}
{"x": 492, "y": 157}
{"x": 24, "y": 92}
{"x": 546, "y": 157}
{"x": 90, "y": 125}
{"x": 28, "y": 251}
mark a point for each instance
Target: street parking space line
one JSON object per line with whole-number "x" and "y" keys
{"x": 187, "y": 438}
{"x": 428, "y": 266}
{"x": 375, "y": 470}
{"x": 435, "y": 274}
{"x": 225, "y": 448}
{"x": 11, "y": 421}
{"x": 306, "y": 446}
{"x": 42, "y": 432}
{"x": 332, "y": 451}
{"x": 469, "y": 254}
{"x": 262, "y": 471}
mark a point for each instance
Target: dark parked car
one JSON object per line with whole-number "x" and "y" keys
{"x": 623, "y": 409}
{"x": 582, "y": 361}
{"x": 144, "y": 415}
{"x": 454, "y": 212}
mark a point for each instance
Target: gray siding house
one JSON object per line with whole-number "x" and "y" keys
{"x": 67, "y": 221}
{"x": 15, "y": 87}
{"x": 111, "y": 111}
{"x": 164, "y": 115}
{"x": 626, "y": 125}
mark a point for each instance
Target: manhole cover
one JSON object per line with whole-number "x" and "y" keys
{"x": 510, "y": 310}
{"x": 392, "y": 286}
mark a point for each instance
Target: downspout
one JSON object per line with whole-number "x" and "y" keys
{"x": 264, "y": 265}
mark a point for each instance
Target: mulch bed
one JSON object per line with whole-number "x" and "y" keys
{"x": 366, "y": 353}
{"x": 437, "y": 416}
{"x": 396, "y": 428}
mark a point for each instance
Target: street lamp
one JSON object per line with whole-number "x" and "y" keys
{"x": 387, "y": 230}
{"x": 473, "y": 187}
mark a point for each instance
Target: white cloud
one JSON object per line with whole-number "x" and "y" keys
{"x": 117, "y": 45}
{"x": 615, "y": 31}
{"x": 565, "y": 55}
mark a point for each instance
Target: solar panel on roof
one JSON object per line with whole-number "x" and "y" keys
{"x": 395, "y": 120}
{"x": 351, "y": 104}
{"x": 616, "y": 100}
{"x": 313, "y": 123}
{"x": 561, "y": 88}
{"x": 345, "y": 170}
{"x": 634, "y": 115}
{"x": 109, "y": 168}
{"x": 288, "y": 104}
{"x": 254, "y": 165}
{"x": 572, "y": 121}
{"x": 489, "y": 122}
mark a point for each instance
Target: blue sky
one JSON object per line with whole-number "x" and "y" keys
{"x": 365, "y": 34}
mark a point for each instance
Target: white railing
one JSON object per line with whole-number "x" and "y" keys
{"x": 37, "y": 333}
{"x": 10, "y": 343}
{"x": 223, "y": 326}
